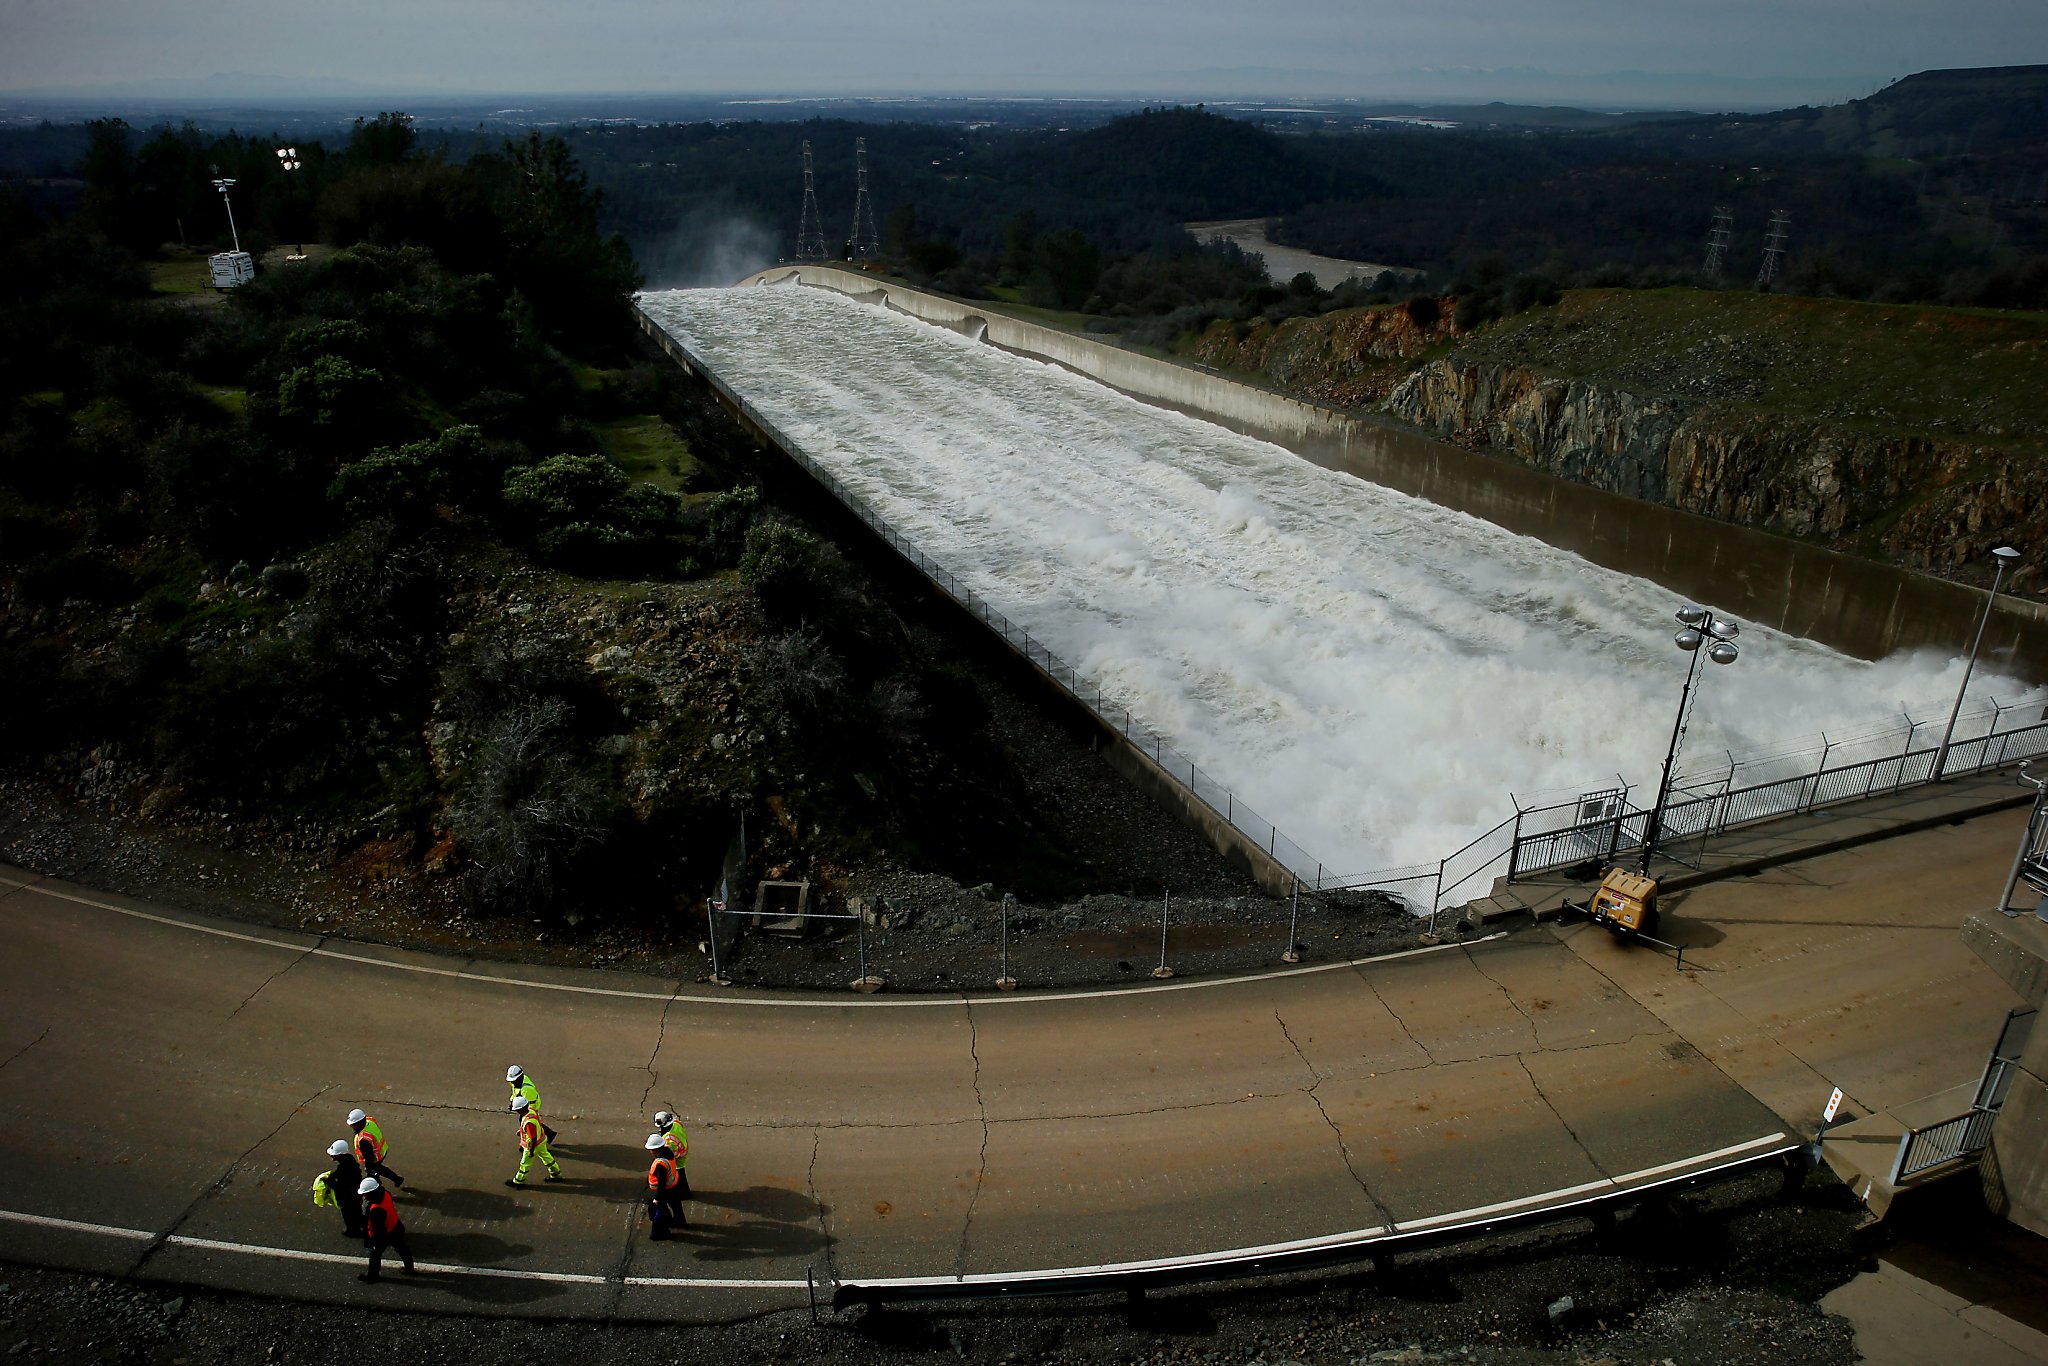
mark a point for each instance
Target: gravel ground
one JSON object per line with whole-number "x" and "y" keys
{"x": 1727, "y": 1277}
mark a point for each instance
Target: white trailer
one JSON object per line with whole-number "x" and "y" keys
{"x": 228, "y": 269}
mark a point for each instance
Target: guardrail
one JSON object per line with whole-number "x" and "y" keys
{"x": 1314, "y": 1254}
{"x": 1534, "y": 839}
{"x": 1937, "y": 1145}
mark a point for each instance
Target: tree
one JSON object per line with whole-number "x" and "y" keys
{"x": 385, "y": 140}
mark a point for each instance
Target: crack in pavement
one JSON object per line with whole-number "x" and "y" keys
{"x": 1343, "y": 1147}
{"x": 618, "y": 1275}
{"x": 824, "y": 1215}
{"x": 303, "y": 956}
{"x": 219, "y": 1183}
{"x": 1551, "y": 1105}
{"x": 26, "y": 1047}
{"x": 660, "y": 1037}
{"x": 981, "y": 1170}
{"x": 1396, "y": 1018}
{"x": 1535, "y": 1031}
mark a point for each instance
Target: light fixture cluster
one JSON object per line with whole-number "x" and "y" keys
{"x": 1701, "y": 627}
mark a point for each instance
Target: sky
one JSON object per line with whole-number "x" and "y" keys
{"x": 1695, "y": 53}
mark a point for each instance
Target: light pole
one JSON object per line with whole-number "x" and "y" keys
{"x": 224, "y": 184}
{"x": 2004, "y": 555}
{"x": 1697, "y": 627}
{"x": 288, "y": 161}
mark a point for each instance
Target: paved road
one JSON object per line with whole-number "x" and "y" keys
{"x": 178, "y": 1079}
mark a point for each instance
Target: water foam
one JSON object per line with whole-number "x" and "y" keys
{"x": 1371, "y": 672}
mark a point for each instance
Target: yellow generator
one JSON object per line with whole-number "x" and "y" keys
{"x": 1626, "y": 904}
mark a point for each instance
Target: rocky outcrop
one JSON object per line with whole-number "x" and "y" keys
{"x": 1347, "y": 359}
{"x": 1922, "y": 501}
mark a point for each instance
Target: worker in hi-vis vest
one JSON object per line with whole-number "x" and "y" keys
{"x": 664, "y": 1190}
{"x": 370, "y": 1147}
{"x": 522, "y": 1085}
{"x": 343, "y": 1183}
{"x": 533, "y": 1142}
{"x": 678, "y": 1143}
{"x": 382, "y": 1228}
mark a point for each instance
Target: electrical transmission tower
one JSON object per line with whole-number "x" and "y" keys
{"x": 867, "y": 243}
{"x": 1717, "y": 241}
{"x": 810, "y": 229}
{"x": 1774, "y": 247}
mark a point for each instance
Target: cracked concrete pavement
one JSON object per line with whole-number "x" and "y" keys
{"x": 180, "y": 1078}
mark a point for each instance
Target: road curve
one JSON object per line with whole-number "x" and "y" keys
{"x": 171, "y": 1083}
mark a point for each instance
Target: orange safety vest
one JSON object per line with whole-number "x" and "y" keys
{"x": 661, "y": 1173}
{"x": 375, "y": 1135}
{"x": 382, "y": 1203}
{"x": 529, "y": 1132}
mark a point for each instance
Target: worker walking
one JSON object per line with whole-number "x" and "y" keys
{"x": 670, "y": 1130}
{"x": 382, "y": 1228}
{"x": 533, "y": 1142}
{"x": 370, "y": 1147}
{"x": 522, "y": 1085}
{"x": 664, "y": 1190}
{"x": 344, "y": 1183}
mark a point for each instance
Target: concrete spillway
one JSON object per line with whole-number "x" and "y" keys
{"x": 1370, "y": 671}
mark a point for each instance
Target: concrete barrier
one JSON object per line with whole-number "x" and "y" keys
{"x": 1857, "y": 606}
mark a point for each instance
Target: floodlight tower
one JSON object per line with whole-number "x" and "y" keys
{"x": 867, "y": 243}
{"x": 287, "y": 162}
{"x": 1774, "y": 247}
{"x": 810, "y": 229}
{"x": 1717, "y": 241}
{"x": 224, "y": 184}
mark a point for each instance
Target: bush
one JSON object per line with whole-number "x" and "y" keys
{"x": 402, "y": 485}
{"x": 783, "y": 566}
{"x": 530, "y": 811}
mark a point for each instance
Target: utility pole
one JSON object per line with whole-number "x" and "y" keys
{"x": 810, "y": 229}
{"x": 867, "y": 243}
{"x": 1774, "y": 248}
{"x": 1717, "y": 241}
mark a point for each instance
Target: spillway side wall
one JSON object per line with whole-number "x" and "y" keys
{"x": 1857, "y": 606}
{"x": 1123, "y": 752}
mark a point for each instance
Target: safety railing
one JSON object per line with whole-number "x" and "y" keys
{"x": 1937, "y": 1145}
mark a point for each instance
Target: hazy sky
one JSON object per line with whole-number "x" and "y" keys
{"x": 1754, "y": 50}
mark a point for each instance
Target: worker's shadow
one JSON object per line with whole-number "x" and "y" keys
{"x": 781, "y": 1223}
{"x": 617, "y": 1156}
{"x": 465, "y": 1249}
{"x": 482, "y": 1207}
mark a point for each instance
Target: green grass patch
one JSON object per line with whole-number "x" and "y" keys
{"x": 648, "y": 450}
{"x": 1066, "y": 319}
{"x": 233, "y": 399}
{"x": 180, "y": 274}
{"x": 1892, "y": 369}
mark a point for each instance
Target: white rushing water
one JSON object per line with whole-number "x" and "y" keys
{"x": 1372, "y": 673}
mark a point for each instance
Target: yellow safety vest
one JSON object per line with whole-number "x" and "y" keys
{"x": 530, "y": 1091}
{"x": 323, "y": 1191}
{"x": 376, "y": 1137}
{"x": 678, "y": 1142}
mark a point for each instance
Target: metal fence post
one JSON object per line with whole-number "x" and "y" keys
{"x": 1293, "y": 951}
{"x": 1515, "y": 849}
{"x": 1162, "y": 971}
{"x": 1912, "y": 727}
{"x": 864, "y": 982}
{"x": 718, "y": 977}
{"x": 1820, "y": 771}
{"x": 1006, "y": 982}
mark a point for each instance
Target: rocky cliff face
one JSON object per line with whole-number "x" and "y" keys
{"x": 1921, "y": 501}
{"x": 1346, "y": 359}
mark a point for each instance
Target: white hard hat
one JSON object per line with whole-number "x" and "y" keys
{"x": 337, "y": 1148}
{"x": 655, "y": 1141}
{"x": 519, "y": 1102}
{"x": 514, "y": 1072}
{"x": 356, "y": 1116}
{"x": 663, "y": 1118}
{"x": 368, "y": 1184}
